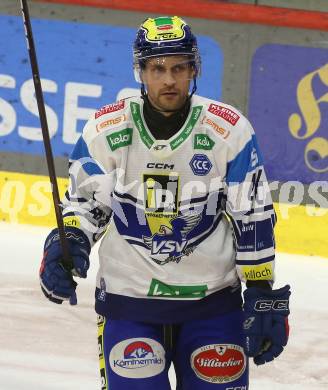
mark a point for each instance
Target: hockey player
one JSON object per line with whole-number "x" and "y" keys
{"x": 175, "y": 186}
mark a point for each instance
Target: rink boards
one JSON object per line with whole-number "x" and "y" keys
{"x": 27, "y": 199}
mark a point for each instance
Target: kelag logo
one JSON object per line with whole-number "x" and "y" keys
{"x": 83, "y": 67}
{"x": 120, "y": 139}
{"x": 289, "y": 110}
{"x": 203, "y": 141}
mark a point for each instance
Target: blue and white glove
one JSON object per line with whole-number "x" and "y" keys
{"x": 56, "y": 281}
{"x": 265, "y": 324}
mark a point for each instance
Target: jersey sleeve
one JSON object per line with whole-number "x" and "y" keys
{"x": 250, "y": 210}
{"x": 86, "y": 204}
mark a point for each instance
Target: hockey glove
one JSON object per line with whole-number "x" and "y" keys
{"x": 56, "y": 281}
{"x": 265, "y": 324}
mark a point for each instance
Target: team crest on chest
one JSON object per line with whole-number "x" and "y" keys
{"x": 170, "y": 231}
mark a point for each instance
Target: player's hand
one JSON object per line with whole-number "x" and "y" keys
{"x": 56, "y": 281}
{"x": 265, "y": 324}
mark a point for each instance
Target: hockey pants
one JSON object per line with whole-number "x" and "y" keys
{"x": 206, "y": 354}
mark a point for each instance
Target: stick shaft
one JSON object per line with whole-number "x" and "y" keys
{"x": 45, "y": 131}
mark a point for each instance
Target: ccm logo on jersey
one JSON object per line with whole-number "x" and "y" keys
{"x": 224, "y": 113}
{"x": 160, "y": 165}
{"x": 110, "y": 108}
{"x": 218, "y": 363}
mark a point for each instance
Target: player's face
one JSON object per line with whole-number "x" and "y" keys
{"x": 167, "y": 79}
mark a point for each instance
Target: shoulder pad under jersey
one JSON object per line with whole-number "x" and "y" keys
{"x": 107, "y": 119}
{"x": 224, "y": 121}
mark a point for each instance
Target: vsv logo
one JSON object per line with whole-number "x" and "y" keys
{"x": 167, "y": 246}
{"x": 169, "y": 231}
{"x": 304, "y": 125}
{"x": 171, "y": 241}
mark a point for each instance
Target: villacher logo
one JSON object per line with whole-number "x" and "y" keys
{"x": 219, "y": 363}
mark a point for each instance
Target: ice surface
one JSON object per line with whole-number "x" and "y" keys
{"x": 54, "y": 347}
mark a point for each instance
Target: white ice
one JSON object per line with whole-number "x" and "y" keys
{"x": 54, "y": 347}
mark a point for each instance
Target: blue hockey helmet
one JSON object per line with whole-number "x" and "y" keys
{"x": 164, "y": 36}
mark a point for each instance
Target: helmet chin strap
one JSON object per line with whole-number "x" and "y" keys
{"x": 144, "y": 94}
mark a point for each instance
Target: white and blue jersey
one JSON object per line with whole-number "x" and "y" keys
{"x": 182, "y": 220}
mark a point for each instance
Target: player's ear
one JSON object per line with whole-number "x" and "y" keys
{"x": 142, "y": 76}
{"x": 142, "y": 73}
{"x": 192, "y": 71}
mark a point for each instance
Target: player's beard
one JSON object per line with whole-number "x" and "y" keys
{"x": 168, "y": 100}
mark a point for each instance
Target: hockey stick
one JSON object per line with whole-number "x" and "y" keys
{"x": 66, "y": 262}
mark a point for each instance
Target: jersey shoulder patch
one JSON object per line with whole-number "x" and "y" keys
{"x": 109, "y": 120}
{"x": 223, "y": 111}
{"x": 113, "y": 117}
{"x": 226, "y": 124}
{"x": 219, "y": 111}
{"x": 220, "y": 130}
{"x": 108, "y": 108}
